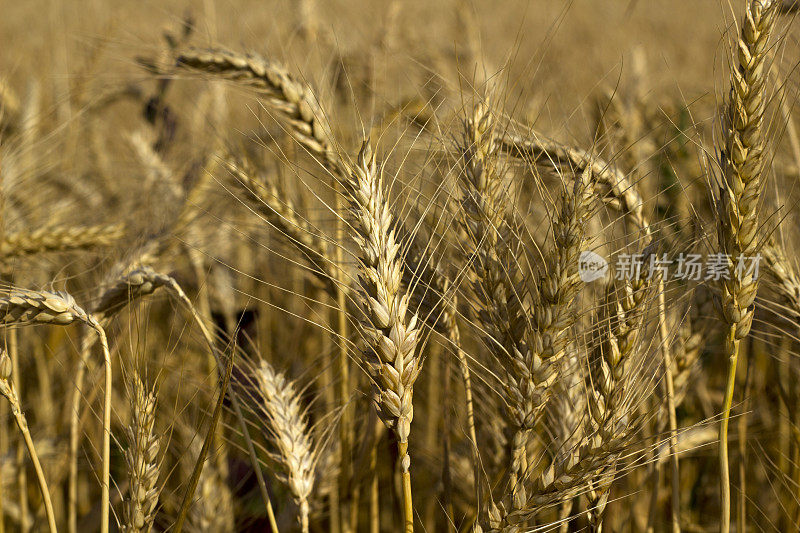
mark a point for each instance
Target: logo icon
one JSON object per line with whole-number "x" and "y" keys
{"x": 591, "y": 266}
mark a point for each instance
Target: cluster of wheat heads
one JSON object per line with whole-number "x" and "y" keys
{"x": 258, "y": 315}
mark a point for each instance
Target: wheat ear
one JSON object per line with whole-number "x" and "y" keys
{"x": 294, "y": 100}
{"x": 608, "y": 420}
{"x": 738, "y": 201}
{"x": 141, "y": 458}
{"x": 495, "y": 282}
{"x": 32, "y": 307}
{"x": 9, "y": 392}
{"x": 391, "y": 336}
{"x": 59, "y": 239}
{"x": 288, "y": 427}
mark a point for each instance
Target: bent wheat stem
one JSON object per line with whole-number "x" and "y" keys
{"x": 7, "y": 390}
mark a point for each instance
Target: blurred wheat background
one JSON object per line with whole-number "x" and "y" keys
{"x": 318, "y": 266}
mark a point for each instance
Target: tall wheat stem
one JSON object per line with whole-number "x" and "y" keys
{"x": 105, "y": 499}
{"x": 738, "y": 202}
{"x": 732, "y": 344}
{"x": 374, "y": 494}
{"x": 22, "y": 476}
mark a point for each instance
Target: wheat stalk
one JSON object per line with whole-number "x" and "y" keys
{"x": 288, "y": 427}
{"x": 9, "y": 392}
{"x": 391, "y": 336}
{"x": 738, "y": 201}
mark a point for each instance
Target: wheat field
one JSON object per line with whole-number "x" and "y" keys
{"x": 347, "y": 266}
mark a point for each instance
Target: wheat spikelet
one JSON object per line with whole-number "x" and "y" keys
{"x": 390, "y": 333}
{"x": 743, "y": 161}
{"x": 59, "y": 239}
{"x": 493, "y": 271}
{"x": 138, "y": 283}
{"x": 141, "y": 458}
{"x": 559, "y": 286}
{"x": 289, "y": 430}
{"x": 41, "y": 307}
